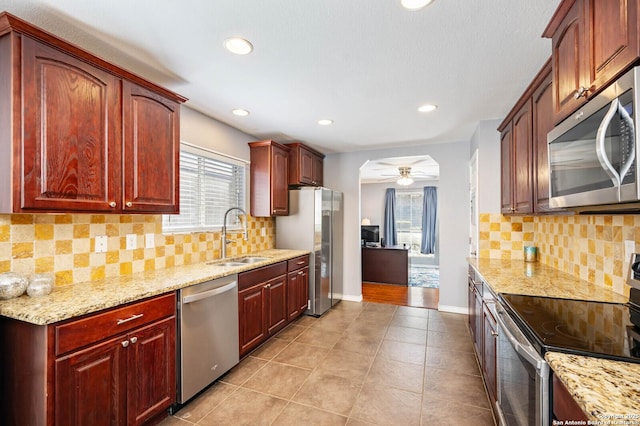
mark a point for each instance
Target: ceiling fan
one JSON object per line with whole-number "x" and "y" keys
{"x": 405, "y": 176}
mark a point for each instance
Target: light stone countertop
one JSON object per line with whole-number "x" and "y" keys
{"x": 75, "y": 300}
{"x": 537, "y": 279}
{"x": 607, "y": 391}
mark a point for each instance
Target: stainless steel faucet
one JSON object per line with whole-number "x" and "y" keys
{"x": 224, "y": 229}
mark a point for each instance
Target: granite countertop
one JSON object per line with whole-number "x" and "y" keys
{"x": 607, "y": 391}
{"x": 83, "y": 298}
{"x": 537, "y": 279}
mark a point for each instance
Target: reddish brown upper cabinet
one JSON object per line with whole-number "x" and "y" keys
{"x": 269, "y": 176}
{"x": 306, "y": 165}
{"x": 593, "y": 42}
{"x": 78, "y": 134}
{"x": 523, "y": 144}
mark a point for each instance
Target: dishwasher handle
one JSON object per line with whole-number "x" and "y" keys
{"x": 209, "y": 293}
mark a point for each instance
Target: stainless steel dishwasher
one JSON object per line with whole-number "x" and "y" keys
{"x": 208, "y": 334}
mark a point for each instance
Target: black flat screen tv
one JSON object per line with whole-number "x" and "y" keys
{"x": 370, "y": 233}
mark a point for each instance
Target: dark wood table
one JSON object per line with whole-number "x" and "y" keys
{"x": 385, "y": 265}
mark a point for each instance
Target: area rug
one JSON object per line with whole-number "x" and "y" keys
{"x": 424, "y": 276}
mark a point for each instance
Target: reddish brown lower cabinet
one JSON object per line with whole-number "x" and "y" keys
{"x": 262, "y": 304}
{"x": 489, "y": 352}
{"x": 564, "y": 406}
{"x": 114, "y": 367}
{"x": 297, "y": 286}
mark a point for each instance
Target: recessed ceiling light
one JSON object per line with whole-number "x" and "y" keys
{"x": 238, "y": 45}
{"x": 427, "y": 108}
{"x": 240, "y": 112}
{"x": 415, "y": 4}
{"x": 325, "y": 122}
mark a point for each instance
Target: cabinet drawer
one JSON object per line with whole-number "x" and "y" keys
{"x": 260, "y": 275}
{"x": 297, "y": 263}
{"x": 94, "y": 328}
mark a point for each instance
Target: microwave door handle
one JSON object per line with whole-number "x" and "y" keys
{"x": 600, "y": 140}
{"x": 632, "y": 143}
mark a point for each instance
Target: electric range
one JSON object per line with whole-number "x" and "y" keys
{"x": 598, "y": 329}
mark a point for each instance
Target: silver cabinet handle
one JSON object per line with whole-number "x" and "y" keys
{"x": 300, "y": 273}
{"x": 129, "y": 204}
{"x": 300, "y": 263}
{"x": 131, "y": 318}
{"x": 112, "y": 204}
{"x": 125, "y": 343}
{"x": 494, "y": 333}
{"x": 133, "y": 339}
{"x": 582, "y": 91}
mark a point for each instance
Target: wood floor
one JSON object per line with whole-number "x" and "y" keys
{"x": 400, "y": 295}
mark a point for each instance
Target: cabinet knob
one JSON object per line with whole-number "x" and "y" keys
{"x": 581, "y": 92}
{"x": 125, "y": 343}
{"x": 494, "y": 333}
{"x": 112, "y": 204}
{"x": 133, "y": 339}
{"x": 129, "y": 204}
{"x": 300, "y": 273}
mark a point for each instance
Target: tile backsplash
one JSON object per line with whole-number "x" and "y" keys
{"x": 64, "y": 244}
{"x": 588, "y": 246}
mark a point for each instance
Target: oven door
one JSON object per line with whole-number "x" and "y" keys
{"x": 523, "y": 377}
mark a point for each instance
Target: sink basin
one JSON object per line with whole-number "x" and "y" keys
{"x": 227, "y": 264}
{"x": 246, "y": 260}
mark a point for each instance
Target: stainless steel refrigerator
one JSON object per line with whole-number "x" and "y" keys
{"x": 315, "y": 224}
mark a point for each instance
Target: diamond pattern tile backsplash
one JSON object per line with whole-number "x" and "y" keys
{"x": 64, "y": 244}
{"x": 590, "y": 246}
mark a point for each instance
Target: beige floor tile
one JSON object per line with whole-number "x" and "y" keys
{"x": 333, "y": 323}
{"x": 410, "y": 322}
{"x": 278, "y": 380}
{"x": 199, "y": 407}
{"x": 356, "y": 422}
{"x": 319, "y": 337}
{"x": 302, "y": 355}
{"x": 401, "y": 351}
{"x": 382, "y": 308}
{"x": 290, "y": 332}
{"x": 375, "y": 316}
{"x": 412, "y": 312}
{"x": 401, "y": 375}
{"x": 328, "y": 392}
{"x": 439, "y": 412}
{"x": 362, "y": 328}
{"x": 296, "y": 415}
{"x": 270, "y": 348}
{"x": 454, "y": 361}
{"x": 455, "y": 387}
{"x": 359, "y": 344}
{"x": 384, "y": 405}
{"x": 346, "y": 305}
{"x": 245, "y": 407}
{"x": 245, "y": 369}
{"x": 306, "y": 321}
{"x": 350, "y": 365}
{"x": 438, "y": 339}
{"x": 406, "y": 334}
{"x": 174, "y": 421}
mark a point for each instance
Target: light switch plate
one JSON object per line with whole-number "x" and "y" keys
{"x": 629, "y": 249}
{"x": 150, "y": 240}
{"x": 131, "y": 241}
{"x": 101, "y": 244}
{"x": 263, "y": 232}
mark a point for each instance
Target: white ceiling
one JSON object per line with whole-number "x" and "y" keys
{"x": 366, "y": 64}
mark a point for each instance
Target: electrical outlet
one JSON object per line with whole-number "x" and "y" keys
{"x": 131, "y": 241}
{"x": 263, "y": 232}
{"x": 101, "y": 244}
{"x": 150, "y": 240}
{"x": 629, "y": 249}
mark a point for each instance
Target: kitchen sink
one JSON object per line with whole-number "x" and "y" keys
{"x": 246, "y": 260}
{"x": 227, "y": 264}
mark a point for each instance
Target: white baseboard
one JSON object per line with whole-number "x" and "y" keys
{"x": 349, "y": 298}
{"x": 453, "y": 309}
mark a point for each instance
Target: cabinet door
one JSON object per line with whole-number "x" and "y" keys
{"x": 542, "y": 125}
{"x": 279, "y": 181}
{"x": 612, "y": 34}
{"x": 251, "y": 311}
{"x": 318, "y": 170}
{"x": 151, "y": 386}
{"x": 303, "y": 293}
{"x": 506, "y": 197}
{"x": 477, "y": 316}
{"x": 489, "y": 353}
{"x": 569, "y": 62}
{"x": 521, "y": 157}
{"x": 71, "y": 127}
{"x": 90, "y": 385}
{"x": 471, "y": 305}
{"x": 151, "y": 151}
{"x": 306, "y": 159}
{"x": 276, "y": 304}
{"x": 293, "y": 296}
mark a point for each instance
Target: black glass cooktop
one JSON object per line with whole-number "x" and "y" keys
{"x": 598, "y": 329}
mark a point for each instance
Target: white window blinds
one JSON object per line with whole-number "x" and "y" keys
{"x": 210, "y": 184}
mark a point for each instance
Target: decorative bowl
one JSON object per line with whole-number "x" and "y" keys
{"x": 40, "y": 285}
{"x": 12, "y": 285}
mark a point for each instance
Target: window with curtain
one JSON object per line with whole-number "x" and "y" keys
{"x": 210, "y": 183}
{"x": 409, "y": 206}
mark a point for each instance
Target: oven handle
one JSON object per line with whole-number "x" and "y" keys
{"x": 600, "y": 145}
{"x": 527, "y": 352}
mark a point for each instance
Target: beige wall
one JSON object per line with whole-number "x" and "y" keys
{"x": 590, "y": 247}
{"x": 64, "y": 244}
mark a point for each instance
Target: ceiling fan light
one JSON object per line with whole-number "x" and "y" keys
{"x": 238, "y": 45}
{"x": 404, "y": 181}
{"x": 325, "y": 122}
{"x": 240, "y": 112}
{"x": 414, "y": 4}
{"x": 427, "y": 108}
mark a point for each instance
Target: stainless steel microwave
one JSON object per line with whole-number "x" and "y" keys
{"x": 593, "y": 155}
